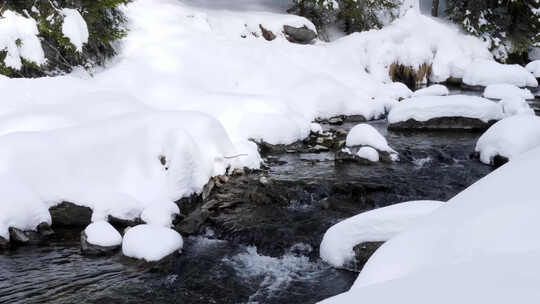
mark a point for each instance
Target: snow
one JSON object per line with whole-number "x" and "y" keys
{"x": 14, "y": 28}
{"x": 366, "y": 135}
{"x": 429, "y": 107}
{"x": 492, "y": 220}
{"x": 487, "y": 72}
{"x": 150, "y": 243}
{"x": 534, "y": 68}
{"x": 74, "y": 28}
{"x": 433, "y": 90}
{"x": 516, "y": 106}
{"x": 378, "y": 225}
{"x": 368, "y": 153}
{"x": 316, "y": 128}
{"x": 509, "y": 137}
{"x": 502, "y": 91}
{"x": 103, "y": 234}
{"x": 21, "y": 207}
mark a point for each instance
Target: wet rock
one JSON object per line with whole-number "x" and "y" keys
{"x": 355, "y": 118}
{"x": 302, "y": 35}
{"x": 69, "y": 214}
{"x": 362, "y": 253}
{"x": 45, "y": 230}
{"x": 18, "y": 236}
{"x": 346, "y": 156}
{"x": 207, "y": 189}
{"x": 4, "y": 243}
{"x": 442, "y": 123}
{"x": 338, "y": 120}
{"x": 267, "y": 34}
{"x": 92, "y": 249}
{"x": 123, "y": 223}
{"x": 193, "y": 222}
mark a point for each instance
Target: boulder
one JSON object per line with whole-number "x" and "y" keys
{"x": 442, "y": 123}
{"x": 69, "y": 214}
{"x": 267, "y": 34}
{"x": 362, "y": 253}
{"x": 302, "y": 35}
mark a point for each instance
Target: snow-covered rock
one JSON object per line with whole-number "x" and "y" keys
{"x": 534, "y": 68}
{"x": 151, "y": 243}
{"x": 74, "y": 28}
{"x": 502, "y": 91}
{"x": 515, "y": 106}
{"x": 487, "y": 72}
{"x": 509, "y": 138}
{"x": 99, "y": 238}
{"x": 368, "y": 153}
{"x": 433, "y": 90}
{"x": 366, "y": 135}
{"x": 378, "y": 225}
{"x": 444, "y": 112}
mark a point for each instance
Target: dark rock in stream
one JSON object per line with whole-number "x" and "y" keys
{"x": 443, "y": 123}
{"x": 302, "y": 35}
{"x": 92, "y": 249}
{"x": 4, "y": 243}
{"x": 69, "y": 214}
{"x": 362, "y": 253}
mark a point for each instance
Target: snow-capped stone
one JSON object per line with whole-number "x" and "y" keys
{"x": 366, "y": 135}
{"x": 151, "y": 243}
{"x": 368, "y": 153}
{"x": 502, "y": 91}
{"x": 488, "y": 72}
{"x": 444, "y": 112}
{"x": 433, "y": 90}
{"x": 515, "y": 106}
{"x": 75, "y": 28}
{"x": 378, "y": 225}
{"x": 100, "y": 238}
{"x": 509, "y": 138}
{"x": 534, "y": 68}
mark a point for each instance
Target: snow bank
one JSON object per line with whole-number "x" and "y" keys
{"x": 487, "y": 72}
{"x": 103, "y": 234}
{"x": 534, "y": 68}
{"x": 74, "y": 28}
{"x": 367, "y": 135}
{"x": 502, "y": 91}
{"x": 426, "y": 108}
{"x": 150, "y": 243}
{"x": 486, "y": 222}
{"x": 372, "y": 226}
{"x": 509, "y": 137}
{"x": 14, "y": 28}
{"x": 433, "y": 90}
{"x": 20, "y": 206}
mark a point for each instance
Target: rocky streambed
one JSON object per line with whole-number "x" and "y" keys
{"x": 254, "y": 236}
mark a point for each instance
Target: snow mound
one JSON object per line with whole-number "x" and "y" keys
{"x": 487, "y": 72}
{"x": 15, "y": 28}
{"x": 434, "y": 90}
{"x": 429, "y": 107}
{"x": 378, "y": 225}
{"x": 368, "y": 153}
{"x": 509, "y": 138}
{"x": 74, "y": 28}
{"x": 485, "y": 222}
{"x": 150, "y": 243}
{"x": 20, "y": 206}
{"x": 367, "y": 135}
{"x": 534, "y": 68}
{"x": 516, "y": 106}
{"x": 502, "y": 91}
{"x": 102, "y": 234}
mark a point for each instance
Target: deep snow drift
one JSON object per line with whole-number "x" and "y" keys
{"x": 482, "y": 243}
{"x": 378, "y": 225}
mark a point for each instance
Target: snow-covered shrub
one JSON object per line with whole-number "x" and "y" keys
{"x": 71, "y": 33}
{"x": 510, "y": 27}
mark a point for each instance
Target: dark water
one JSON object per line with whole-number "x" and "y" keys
{"x": 432, "y": 166}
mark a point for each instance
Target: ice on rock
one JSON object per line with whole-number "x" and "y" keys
{"x": 487, "y": 72}
{"x": 151, "y": 243}
{"x": 367, "y": 135}
{"x": 434, "y": 90}
{"x": 502, "y": 91}
{"x": 429, "y": 107}
{"x": 534, "y": 68}
{"x": 509, "y": 138}
{"x": 101, "y": 233}
{"x": 378, "y": 225}
{"x": 74, "y": 28}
